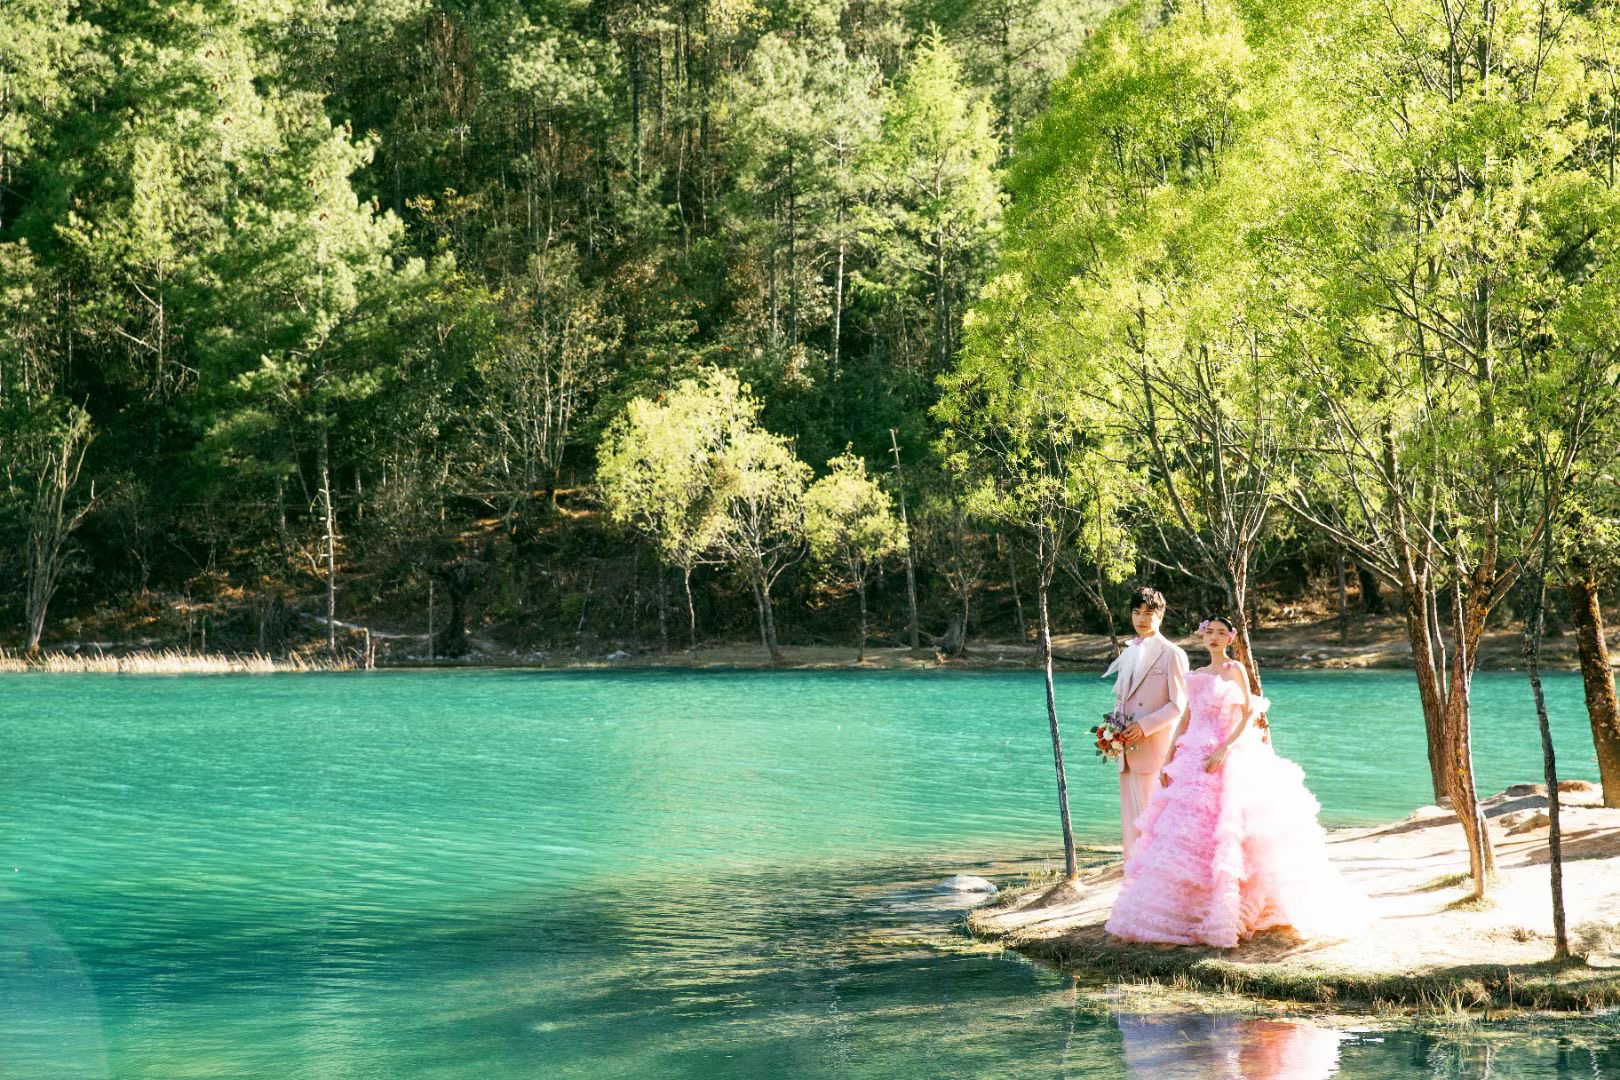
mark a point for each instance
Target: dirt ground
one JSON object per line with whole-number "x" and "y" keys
{"x": 1307, "y": 643}
{"x": 1426, "y": 936}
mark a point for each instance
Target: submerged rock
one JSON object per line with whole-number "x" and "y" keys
{"x": 966, "y": 883}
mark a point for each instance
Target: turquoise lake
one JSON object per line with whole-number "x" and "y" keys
{"x": 627, "y": 874}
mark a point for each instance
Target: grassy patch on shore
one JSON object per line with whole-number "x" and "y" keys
{"x": 1454, "y": 991}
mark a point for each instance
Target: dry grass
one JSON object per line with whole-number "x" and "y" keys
{"x": 165, "y": 662}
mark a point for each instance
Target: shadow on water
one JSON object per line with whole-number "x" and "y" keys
{"x": 51, "y": 1024}
{"x": 853, "y": 970}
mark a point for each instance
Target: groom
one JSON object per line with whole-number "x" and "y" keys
{"x": 1152, "y": 691}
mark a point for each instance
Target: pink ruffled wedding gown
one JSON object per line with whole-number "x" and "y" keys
{"x": 1226, "y": 854}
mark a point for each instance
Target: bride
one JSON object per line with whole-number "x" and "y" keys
{"x": 1230, "y": 844}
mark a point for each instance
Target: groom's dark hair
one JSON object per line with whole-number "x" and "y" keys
{"x": 1152, "y": 599}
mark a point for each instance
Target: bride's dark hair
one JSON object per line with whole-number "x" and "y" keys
{"x": 1231, "y": 626}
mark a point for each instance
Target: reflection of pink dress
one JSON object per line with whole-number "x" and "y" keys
{"x": 1225, "y": 854}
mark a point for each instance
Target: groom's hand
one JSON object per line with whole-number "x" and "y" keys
{"x": 1132, "y": 733}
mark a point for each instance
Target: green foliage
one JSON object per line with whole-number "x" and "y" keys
{"x": 659, "y": 462}
{"x": 849, "y": 520}
{"x": 938, "y": 158}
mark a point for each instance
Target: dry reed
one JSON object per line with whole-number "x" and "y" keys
{"x": 166, "y": 662}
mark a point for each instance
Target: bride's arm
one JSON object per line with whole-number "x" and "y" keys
{"x": 1175, "y": 737}
{"x": 1218, "y": 755}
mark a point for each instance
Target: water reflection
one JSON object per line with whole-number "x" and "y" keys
{"x": 1161, "y": 1047}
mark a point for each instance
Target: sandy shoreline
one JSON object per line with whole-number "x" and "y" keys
{"x": 1427, "y": 946}
{"x": 1371, "y": 643}
{"x": 1374, "y": 644}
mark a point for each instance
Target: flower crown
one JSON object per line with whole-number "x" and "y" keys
{"x": 1203, "y": 626}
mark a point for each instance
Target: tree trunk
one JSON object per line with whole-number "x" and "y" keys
{"x": 1549, "y": 762}
{"x": 1372, "y": 598}
{"x": 838, "y": 293}
{"x": 793, "y": 257}
{"x": 1102, "y": 599}
{"x": 458, "y": 582}
{"x": 1237, "y": 588}
{"x": 663, "y": 608}
{"x": 860, "y": 587}
{"x": 1018, "y": 601}
{"x": 282, "y": 536}
{"x": 905, "y": 528}
{"x": 1460, "y": 766}
{"x": 759, "y": 612}
{"x": 1415, "y": 600}
{"x": 1043, "y": 577}
{"x": 940, "y": 318}
{"x": 770, "y": 622}
{"x": 52, "y": 520}
{"x": 967, "y": 601}
{"x": 1469, "y": 618}
{"x": 1344, "y": 608}
{"x": 321, "y": 465}
{"x": 691, "y": 609}
{"x": 1598, "y": 678}
{"x": 635, "y": 108}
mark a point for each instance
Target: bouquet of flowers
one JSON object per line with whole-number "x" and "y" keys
{"x": 1110, "y": 741}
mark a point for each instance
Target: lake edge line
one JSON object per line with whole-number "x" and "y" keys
{"x": 1075, "y": 653}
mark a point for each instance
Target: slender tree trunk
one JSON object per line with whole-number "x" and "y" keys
{"x": 772, "y": 286}
{"x": 905, "y": 528}
{"x": 1042, "y": 579}
{"x": 1107, "y": 612}
{"x": 1006, "y": 84}
{"x": 1533, "y": 625}
{"x": 759, "y": 610}
{"x": 691, "y": 608}
{"x": 663, "y": 607}
{"x": 793, "y": 257}
{"x": 770, "y": 623}
{"x": 1018, "y": 600}
{"x": 1459, "y": 746}
{"x": 1344, "y": 607}
{"x": 1415, "y": 599}
{"x": 860, "y": 587}
{"x": 1598, "y": 679}
{"x": 281, "y": 517}
{"x": 967, "y": 610}
{"x": 1237, "y": 587}
{"x": 838, "y": 293}
{"x": 322, "y": 466}
{"x": 635, "y": 107}
{"x": 941, "y": 320}
{"x": 52, "y": 520}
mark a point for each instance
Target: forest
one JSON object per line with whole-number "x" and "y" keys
{"x": 313, "y": 311}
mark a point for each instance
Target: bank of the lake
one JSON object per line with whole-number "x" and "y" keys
{"x": 1364, "y": 643}
{"x": 1428, "y": 944}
